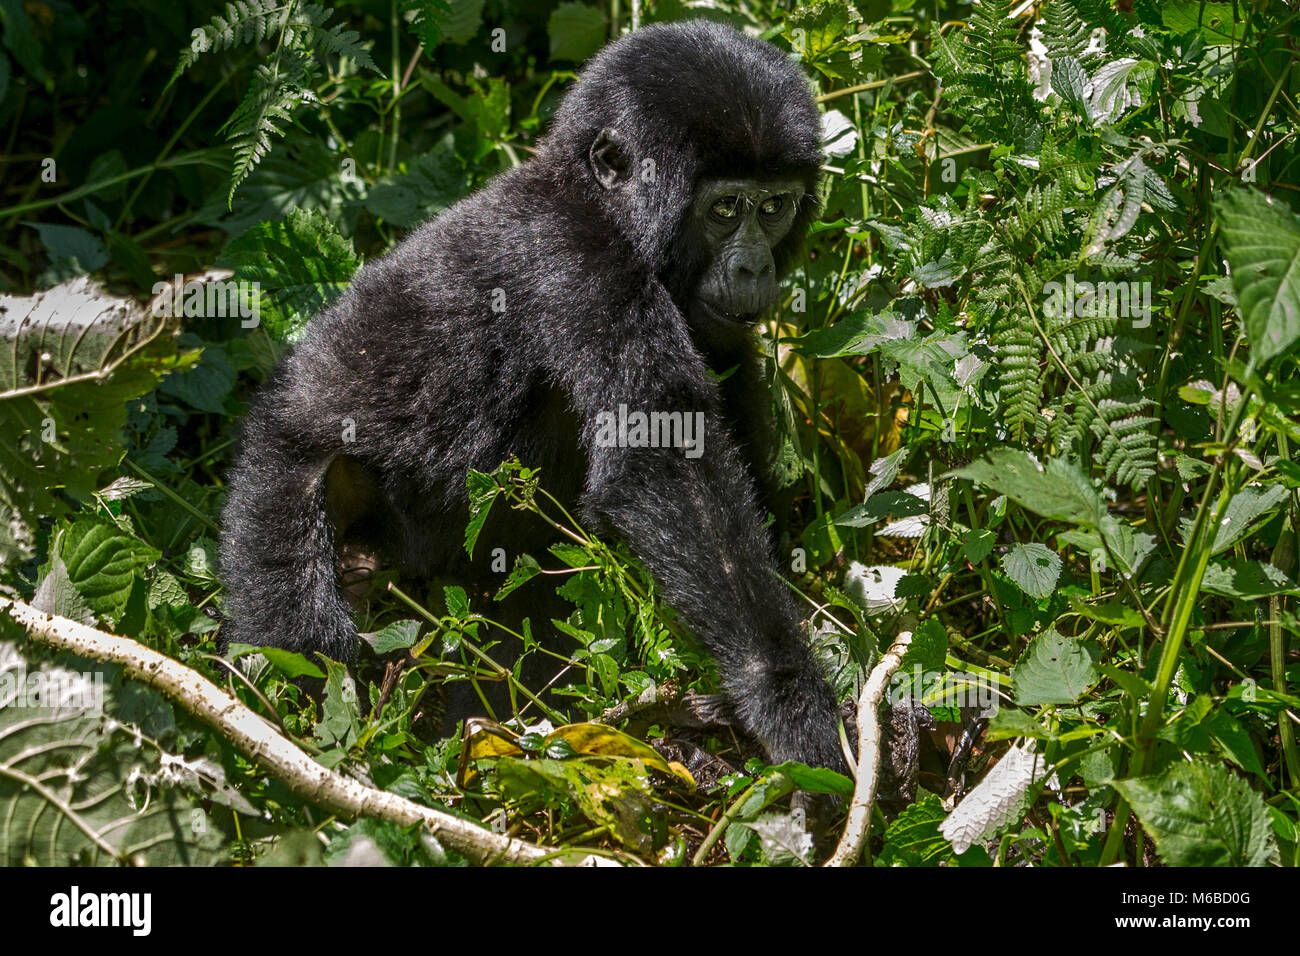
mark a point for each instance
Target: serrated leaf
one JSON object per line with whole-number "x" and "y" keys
{"x": 302, "y": 264}
{"x": 998, "y": 799}
{"x": 1261, "y": 240}
{"x": 1201, "y": 814}
{"x": 434, "y": 181}
{"x": 913, "y": 838}
{"x": 1033, "y": 567}
{"x": 1059, "y": 490}
{"x": 1054, "y": 669}
{"x": 929, "y": 646}
{"x": 1111, "y": 93}
{"x": 103, "y": 563}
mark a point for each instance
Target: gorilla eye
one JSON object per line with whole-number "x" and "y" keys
{"x": 726, "y": 207}
{"x": 772, "y": 206}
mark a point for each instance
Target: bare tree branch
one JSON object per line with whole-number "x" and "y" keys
{"x": 261, "y": 742}
{"x": 864, "y": 793}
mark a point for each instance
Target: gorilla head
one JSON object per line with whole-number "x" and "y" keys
{"x": 705, "y": 145}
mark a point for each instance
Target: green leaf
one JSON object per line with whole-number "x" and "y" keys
{"x": 1261, "y": 240}
{"x": 435, "y": 181}
{"x": 464, "y": 21}
{"x": 1111, "y": 93}
{"x": 1246, "y": 580}
{"x": 104, "y": 798}
{"x": 73, "y": 251}
{"x": 1245, "y": 507}
{"x": 526, "y": 568}
{"x": 56, "y": 437}
{"x": 1060, "y": 490}
{"x": 457, "y": 601}
{"x": 103, "y": 563}
{"x": 395, "y": 636}
{"x": 913, "y": 839}
{"x": 1033, "y": 567}
{"x": 289, "y": 663}
{"x": 302, "y": 264}
{"x": 929, "y": 646}
{"x": 576, "y": 31}
{"x": 1200, "y": 814}
{"x": 1114, "y": 612}
{"x": 1009, "y": 724}
{"x": 205, "y": 385}
{"x": 483, "y": 490}
{"x": 1070, "y": 82}
{"x": 1234, "y": 740}
{"x": 1054, "y": 669}
{"x": 977, "y": 544}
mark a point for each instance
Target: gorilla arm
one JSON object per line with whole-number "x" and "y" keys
{"x": 695, "y": 524}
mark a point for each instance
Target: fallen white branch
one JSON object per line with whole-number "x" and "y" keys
{"x": 263, "y": 743}
{"x": 864, "y": 793}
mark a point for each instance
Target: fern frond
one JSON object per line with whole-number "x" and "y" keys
{"x": 1064, "y": 32}
{"x": 1127, "y": 449}
{"x": 275, "y": 92}
{"x": 306, "y": 30}
{"x": 1041, "y": 209}
{"x": 1020, "y": 384}
{"x": 245, "y": 23}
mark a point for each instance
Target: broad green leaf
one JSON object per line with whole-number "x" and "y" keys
{"x": 1009, "y": 723}
{"x": 929, "y": 646}
{"x": 1215, "y": 21}
{"x": 1055, "y": 669}
{"x": 1114, "y": 612}
{"x": 1129, "y": 548}
{"x": 1060, "y": 490}
{"x": 1201, "y": 814}
{"x": 1071, "y": 83}
{"x": 1112, "y": 93}
{"x": 104, "y": 798}
{"x": 1033, "y": 567}
{"x": 464, "y": 21}
{"x": 290, "y": 663}
{"x": 1261, "y": 240}
{"x": 1245, "y": 507}
{"x": 913, "y": 838}
{"x": 977, "y": 544}
{"x": 302, "y": 264}
{"x": 103, "y": 563}
{"x": 433, "y": 182}
{"x": 1247, "y": 580}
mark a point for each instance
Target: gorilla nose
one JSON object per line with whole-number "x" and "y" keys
{"x": 753, "y": 266}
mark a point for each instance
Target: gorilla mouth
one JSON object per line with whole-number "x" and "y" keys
{"x": 719, "y": 314}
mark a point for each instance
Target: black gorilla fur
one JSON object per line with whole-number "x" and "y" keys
{"x": 598, "y": 311}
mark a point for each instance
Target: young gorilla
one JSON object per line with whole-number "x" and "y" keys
{"x": 617, "y": 267}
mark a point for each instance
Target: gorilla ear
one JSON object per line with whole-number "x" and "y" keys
{"x": 611, "y": 162}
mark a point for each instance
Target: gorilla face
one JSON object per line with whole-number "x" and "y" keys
{"x": 740, "y": 222}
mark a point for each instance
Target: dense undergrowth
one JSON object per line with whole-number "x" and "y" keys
{"x": 1037, "y": 379}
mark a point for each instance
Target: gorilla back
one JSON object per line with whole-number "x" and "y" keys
{"x": 611, "y": 272}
